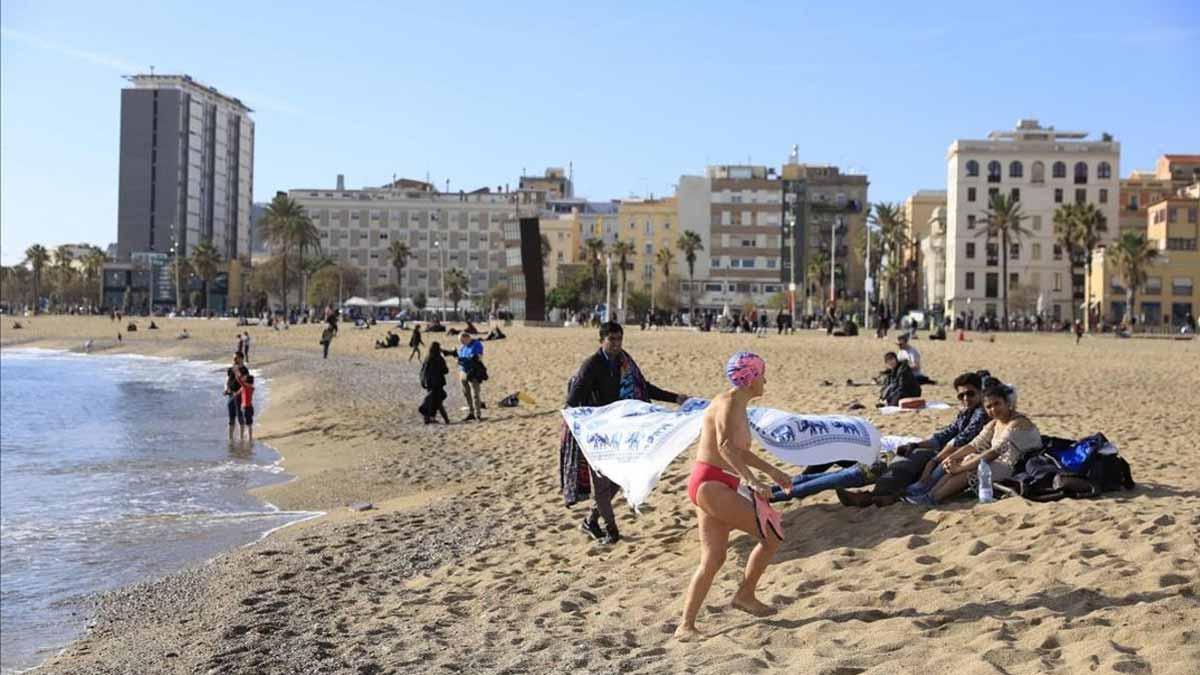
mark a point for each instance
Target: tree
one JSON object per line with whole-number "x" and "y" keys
{"x": 38, "y": 258}
{"x": 499, "y": 295}
{"x": 593, "y": 253}
{"x": 889, "y": 222}
{"x": 690, "y": 243}
{"x": 1132, "y": 255}
{"x": 62, "y": 271}
{"x": 639, "y": 303}
{"x": 399, "y": 253}
{"x": 1002, "y": 220}
{"x": 545, "y": 251}
{"x": 205, "y": 260}
{"x": 93, "y": 269}
{"x": 1091, "y": 224}
{"x": 817, "y": 272}
{"x": 331, "y": 280}
{"x": 420, "y": 300}
{"x": 1067, "y": 236}
{"x": 286, "y": 225}
{"x": 456, "y": 286}
{"x": 623, "y": 250}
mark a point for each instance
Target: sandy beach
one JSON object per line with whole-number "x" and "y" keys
{"x": 470, "y": 562}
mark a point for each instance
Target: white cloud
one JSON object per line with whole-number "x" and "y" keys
{"x": 97, "y": 58}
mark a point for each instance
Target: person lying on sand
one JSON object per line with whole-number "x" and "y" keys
{"x": 915, "y": 460}
{"x": 1004, "y": 441}
{"x": 723, "y": 461}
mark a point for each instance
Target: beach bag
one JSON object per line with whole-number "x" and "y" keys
{"x": 1075, "y": 458}
{"x": 476, "y": 371}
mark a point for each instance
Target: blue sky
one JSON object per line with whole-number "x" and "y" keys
{"x": 635, "y": 94}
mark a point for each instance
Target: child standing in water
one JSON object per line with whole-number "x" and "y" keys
{"x": 246, "y": 380}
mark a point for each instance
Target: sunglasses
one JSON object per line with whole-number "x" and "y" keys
{"x": 964, "y": 395}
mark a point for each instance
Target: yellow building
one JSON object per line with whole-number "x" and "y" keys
{"x": 562, "y": 232}
{"x": 1169, "y": 294}
{"x": 651, "y": 225}
{"x": 918, "y": 212}
{"x": 1142, "y": 188}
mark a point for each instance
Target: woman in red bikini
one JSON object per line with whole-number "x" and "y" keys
{"x": 723, "y": 461}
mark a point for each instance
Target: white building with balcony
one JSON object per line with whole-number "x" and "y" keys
{"x": 1042, "y": 168}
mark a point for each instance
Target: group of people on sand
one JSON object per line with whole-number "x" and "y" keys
{"x": 472, "y": 373}
{"x": 988, "y": 428}
{"x": 239, "y": 395}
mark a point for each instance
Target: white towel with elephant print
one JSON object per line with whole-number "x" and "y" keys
{"x": 632, "y": 443}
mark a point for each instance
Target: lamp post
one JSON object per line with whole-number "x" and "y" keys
{"x": 833, "y": 259}
{"x": 175, "y": 251}
{"x": 791, "y": 244}
{"x": 608, "y": 287}
{"x": 868, "y": 285}
{"x": 442, "y": 274}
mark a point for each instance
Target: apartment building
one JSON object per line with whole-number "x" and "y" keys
{"x": 1169, "y": 293}
{"x": 932, "y": 263}
{"x": 651, "y": 225}
{"x": 919, "y": 210}
{"x": 463, "y": 230}
{"x": 1042, "y": 168}
{"x": 1171, "y": 174}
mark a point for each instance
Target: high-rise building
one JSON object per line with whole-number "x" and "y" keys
{"x": 459, "y": 230}
{"x": 824, "y": 213}
{"x": 1041, "y": 168}
{"x": 186, "y": 169}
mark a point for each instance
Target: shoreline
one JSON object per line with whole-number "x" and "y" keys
{"x": 270, "y": 510}
{"x": 471, "y": 558}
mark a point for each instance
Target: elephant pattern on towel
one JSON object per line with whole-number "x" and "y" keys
{"x": 813, "y": 427}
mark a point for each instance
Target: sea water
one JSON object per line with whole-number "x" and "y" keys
{"x": 113, "y": 469}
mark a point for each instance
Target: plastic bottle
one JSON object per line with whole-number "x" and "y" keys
{"x": 986, "y": 496}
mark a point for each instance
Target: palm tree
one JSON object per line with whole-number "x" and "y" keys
{"x": 63, "y": 257}
{"x": 399, "y": 253}
{"x": 666, "y": 260}
{"x": 545, "y": 250}
{"x": 1077, "y": 228}
{"x": 690, "y": 243}
{"x": 1003, "y": 219}
{"x": 286, "y": 225}
{"x": 623, "y": 250}
{"x": 1132, "y": 255}
{"x": 1067, "y": 236}
{"x": 456, "y": 285}
{"x": 593, "y": 251}
{"x": 38, "y": 257}
{"x": 93, "y": 268}
{"x": 888, "y": 219}
{"x": 205, "y": 260}
{"x": 817, "y": 271}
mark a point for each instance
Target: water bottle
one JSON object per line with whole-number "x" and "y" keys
{"x": 985, "y": 482}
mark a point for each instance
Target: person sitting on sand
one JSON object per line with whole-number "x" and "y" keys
{"x": 915, "y": 461}
{"x": 17, "y": 325}
{"x": 723, "y": 461}
{"x": 436, "y": 327}
{"x": 898, "y": 381}
{"x": 183, "y": 335}
{"x": 609, "y": 375}
{"x": 152, "y": 326}
{"x": 471, "y": 329}
{"x": 907, "y": 352}
{"x": 389, "y": 341}
{"x": 1003, "y": 442}
{"x": 495, "y": 334}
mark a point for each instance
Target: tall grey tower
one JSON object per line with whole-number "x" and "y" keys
{"x": 186, "y": 168}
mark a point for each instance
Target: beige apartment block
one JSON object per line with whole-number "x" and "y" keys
{"x": 463, "y": 230}
{"x": 1042, "y": 168}
{"x": 1171, "y": 174}
{"x": 919, "y": 211}
{"x": 651, "y": 225}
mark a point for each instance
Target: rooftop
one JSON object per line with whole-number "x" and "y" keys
{"x": 185, "y": 82}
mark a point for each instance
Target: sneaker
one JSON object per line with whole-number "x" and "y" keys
{"x": 857, "y": 499}
{"x": 468, "y": 418}
{"x": 592, "y": 529}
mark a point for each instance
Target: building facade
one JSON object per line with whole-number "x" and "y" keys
{"x": 919, "y": 211}
{"x": 651, "y": 225}
{"x": 1169, "y": 294}
{"x": 444, "y": 231}
{"x": 186, "y": 168}
{"x": 932, "y": 263}
{"x": 1171, "y": 174}
{"x": 1041, "y": 168}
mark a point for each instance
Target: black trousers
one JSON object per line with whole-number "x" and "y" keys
{"x": 603, "y": 491}
{"x": 902, "y": 472}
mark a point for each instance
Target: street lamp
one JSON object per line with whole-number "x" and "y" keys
{"x": 791, "y": 244}
{"x": 607, "y": 287}
{"x": 442, "y": 274}
{"x": 176, "y": 249}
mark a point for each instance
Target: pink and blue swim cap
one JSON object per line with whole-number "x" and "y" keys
{"x": 744, "y": 368}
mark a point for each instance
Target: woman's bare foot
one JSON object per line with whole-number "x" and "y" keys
{"x": 752, "y": 606}
{"x": 686, "y": 634}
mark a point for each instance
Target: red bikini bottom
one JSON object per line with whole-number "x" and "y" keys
{"x": 702, "y": 472}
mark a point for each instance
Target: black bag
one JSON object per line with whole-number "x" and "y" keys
{"x": 476, "y": 371}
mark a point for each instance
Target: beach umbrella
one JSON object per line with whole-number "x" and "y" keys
{"x": 358, "y": 302}
{"x": 390, "y": 302}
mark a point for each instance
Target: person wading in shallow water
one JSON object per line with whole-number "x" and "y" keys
{"x": 723, "y": 462}
{"x": 605, "y": 377}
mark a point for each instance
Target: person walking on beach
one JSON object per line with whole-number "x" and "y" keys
{"x": 246, "y": 346}
{"x": 723, "y": 461}
{"x": 246, "y": 396}
{"x": 415, "y": 342}
{"x": 607, "y": 376}
{"x": 327, "y": 337}
{"x": 232, "y": 394}
{"x": 433, "y": 380}
{"x": 1078, "y": 331}
{"x": 471, "y": 372}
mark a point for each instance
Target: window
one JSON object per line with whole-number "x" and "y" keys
{"x": 716, "y": 262}
{"x": 972, "y": 168}
{"x": 747, "y": 262}
{"x": 993, "y": 171}
{"x": 1057, "y": 195}
{"x": 1037, "y": 222}
{"x": 1192, "y": 214}
{"x": 971, "y": 222}
{"x": 991, "y": 285}
{"x": 735, "y": 262}
{"x": 1057, "y": 281}
{"x": 1039, "y": 172}
{"x": 970, "y": 194}
{"x": 1036, "y": 251}
{"x": 771, "y": 263}
{"x": 992, "y": 192}
{"x": 1153, "y": 286}
{"x": 1133, "y": 203}
{"x": 1180, "y": 244}
{"x": 970, "y": 250}
{"x": 1181, "y": 286}
{"x": 1080, "y": 195}
{"x": 1081, "y": 173}
{"x": 1014, "y": 281}
{"x": 1104, "y": 170}
{"x": 649, "y": 249}
{"x": 1172, "y": 216}
{"x": 1016, "y": 170}
{"x": 993, "y": 253}
{"x": 1015, "y": 194}
{"x": 1103, "y": 195}
{"x": 1059, "y": 170}
{"x": 970, "y": 281}
{"x": 1014, "y": 251}
{"x": 1058, "y": 252}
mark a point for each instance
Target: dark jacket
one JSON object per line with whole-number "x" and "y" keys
{"x": 599, "y": 384}
{"x": 900, "y": 383}
{"x": 433, "y": 374}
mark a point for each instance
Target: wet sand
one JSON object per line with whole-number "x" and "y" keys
{"x": 470, "y": 562}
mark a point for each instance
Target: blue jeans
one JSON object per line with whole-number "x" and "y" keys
{"x": 804, "y": 486}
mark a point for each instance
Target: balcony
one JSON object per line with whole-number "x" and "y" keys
{"x": 849, "y": 206}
